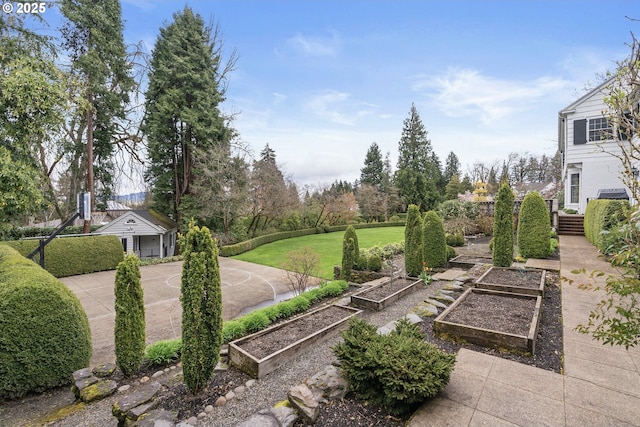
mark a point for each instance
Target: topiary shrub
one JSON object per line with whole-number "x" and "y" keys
{"x": 348, "y": 258}
{"x": 44, "y": 331}
{"x": 534, "y": 227}
{"x": 201, "y": 298}
{"x": 502, "y": 242}
{"x": 434, "y": 242}
{"x": 413, "y": 242}
{"x": 70, "y": 256}
{"x": 129, "y": 331}
{"x": 350, "y": 233}
{"x": 398, "y": 371}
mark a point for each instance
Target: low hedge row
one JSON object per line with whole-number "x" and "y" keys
{"x": 603, "y": 215}
{"x": 17, "y": 233}
{"x": 75, "y": 255}
{"x": 247, "y": 245}
{"x": 44, "y": 332}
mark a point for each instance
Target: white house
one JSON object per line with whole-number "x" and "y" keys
{"x": 585, "y": 138}
{"x": 147, "y": 233}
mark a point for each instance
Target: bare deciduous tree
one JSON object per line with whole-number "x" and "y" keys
{"x": 300, "y": 269}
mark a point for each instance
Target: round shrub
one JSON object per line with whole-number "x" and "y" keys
{"x": 434, "y": 242}
{"x": 451, "y": 252}
{"x": 455, "y": 239}
{"x": 44, "y": 331}
{"x": 374, "y": 263}
{"x": 502, "y": 248}
{"x": 534, "y": 227}
{"x": 413, "y": 242}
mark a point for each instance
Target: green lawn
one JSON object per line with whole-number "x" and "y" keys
{"x": 328, "y": 246}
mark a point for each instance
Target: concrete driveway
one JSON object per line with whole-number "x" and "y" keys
{"x": 243, "y": 285}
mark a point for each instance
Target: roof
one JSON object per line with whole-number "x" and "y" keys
{"x": 574, "y": 104}
{"x": 148, "y": 222}
{"x": 157, "y": 218}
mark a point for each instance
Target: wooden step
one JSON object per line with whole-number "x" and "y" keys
{"x": 571, "y": 225}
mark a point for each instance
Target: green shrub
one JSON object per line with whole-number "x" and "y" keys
{"x": 455, "y": 209}
{"x": 287, "y": 309}
{"x": 434, "y": 242}
{"x": 604, "y": 216}
{"x": 502, "y": 242}
{"x": 129, "y": 329}
{"x": 256, "y": 321}
{"x": 463, "y": 226}
{"x": 70, "y": 256}
{"x": 374, "y": 263}
{"x": 413, "y": 242}
{"x": 484, "y": 224}
{"x": 334, "y": 288}
{"x": 534, "y": 227}
{"x": 232, "y": 330}
{"x": 301, "y": 303}
{"x": 398, "y": 371}
{"x": 163, "y": 352}
{"x": 44, "y": 331}
{"x": 201, "y": 298}
{"x": 454, "y": 239}
{"x": 350, "y": 233}
{"x": 451, "y": 252}
{"x": 272, "y": 312}
{"x": 348, "y": 258}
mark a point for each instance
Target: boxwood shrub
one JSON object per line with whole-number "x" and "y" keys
{"x": 75, "y": 255}
{"x": 44, "y": 331}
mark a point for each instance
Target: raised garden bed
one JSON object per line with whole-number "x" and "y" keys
{"x": 265, "y": 351}
{"x": 517, "y": 280}
{"x": 380, "y": 296}
{"x": 468, "y": 261}
{"x": 502, "y": 320}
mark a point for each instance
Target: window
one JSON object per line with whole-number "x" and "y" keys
{"x": 575, "y": 188}
{"x": 599, "y": 129}
{"x": 131, "y": 221}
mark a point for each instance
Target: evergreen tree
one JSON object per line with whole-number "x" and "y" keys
{"x": 534, "y": 227}
{"x": 434, "y": 244}
{"x": 348, "y": 261}
{"x": 350, "y": 233}
{"x": 130, "y": 325}
{"x": 452, "y": 167}
{"x": 373, "y": 170}
{"x": 453, "y": 188}
{"x": 182, "y": 107}
{"x": 503, "y": 227}
{"x": 415, "y": 175}
{"x": 413, "y": 242}
{"x": 201, "y": 298}
{"x": 93, "y": 37}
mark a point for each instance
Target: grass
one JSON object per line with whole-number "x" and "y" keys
{"x": 328, "y": 246}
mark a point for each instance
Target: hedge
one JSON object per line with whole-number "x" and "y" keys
{"x": 247, "y": 245}
{"x": 603, "y": 215}
{"x": 69, "y": 256}
{"x": 44, "y": 332}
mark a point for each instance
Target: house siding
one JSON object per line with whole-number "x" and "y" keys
{"x": 595, "y": 162}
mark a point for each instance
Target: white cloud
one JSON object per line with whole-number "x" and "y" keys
{"x": 339, "y": 107}
{"x": 464, "y": 92}
{"x": 315, "y": 46}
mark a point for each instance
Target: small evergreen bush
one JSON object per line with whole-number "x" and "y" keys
{"x": 350, "y": 233}
{"x": 534, "y": 227}
{"x": 44, "y": 331}
{"x": 163, "y": 352}
{"x": 348, "y": 258}
{"x": 398, "y": 371}
{"x": 130, "y": 326}
{"x": 455, "y": 239}
{"x": 413, "y": 242}
{"x": 434, "y": 241}
{"x": 502, "y": 242}
{"x": 451, "y": 252}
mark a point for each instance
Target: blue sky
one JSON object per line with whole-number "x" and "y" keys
{"x": 319, "y": 81}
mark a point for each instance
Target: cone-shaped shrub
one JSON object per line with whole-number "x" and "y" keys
{"x": 201, "y": 298}
{"x": 534, "y": 228}
{"x": 350, "y": 233}
{"x": 348, "y": 251}
{"x": 129, "y": 330}
{"x": 503, "y": 227}
{"x": 434, "y": 242}
{"x": 413, "y": 242}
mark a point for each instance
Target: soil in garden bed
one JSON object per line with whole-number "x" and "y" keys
{"x": 380, "y": 292}
{"x": 263, "y": 345}
{"x": 502, "y": 313}
{"x": 471, "y": 259}
{"x": 513, "y": 277}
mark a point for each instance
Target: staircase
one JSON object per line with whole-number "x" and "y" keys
{"x": 571, "y": 225}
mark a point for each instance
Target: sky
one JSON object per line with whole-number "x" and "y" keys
{"x": 320, "y": 81}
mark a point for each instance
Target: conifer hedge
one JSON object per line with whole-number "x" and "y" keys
{"x": 44, "y": 331}
{"x": 534, "y": 227}
{"x": 603, "y": 215}
{"x": 434, "y": 242}
{"x": 413, "y": 242}
{"x": 503, "y": 227}
{"x": 130, "y": 325}
{"x": 348, "y": 259}
{"x": 201, "y": 298}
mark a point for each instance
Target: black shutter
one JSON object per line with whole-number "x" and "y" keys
{"x": 580, "y": 131}
{"x": 624, "y": 133}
